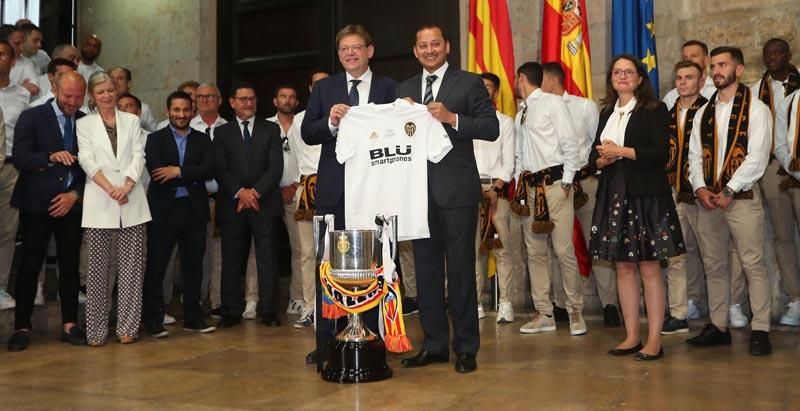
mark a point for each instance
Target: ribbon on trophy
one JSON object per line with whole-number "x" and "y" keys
{"x": 384, "y": 291}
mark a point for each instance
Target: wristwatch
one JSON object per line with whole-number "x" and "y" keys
{"x": 566, "y": 186}
{"x": 727, "y": 192}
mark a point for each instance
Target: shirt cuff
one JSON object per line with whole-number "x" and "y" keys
{"x": 568, "y": 176}
{"x": 455, "y": 126}
{"x": 334, "y": 129}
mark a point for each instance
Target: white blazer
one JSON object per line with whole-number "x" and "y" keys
{"x": 95, "y": 154}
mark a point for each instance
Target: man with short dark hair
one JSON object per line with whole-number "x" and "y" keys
{"x": 32, "y": 47}
{"x": 90, "y": 50}
{"x": 695, "y": 51}
{"x": 249, "y": 166}
{"x": 23, "y": 71}
{"x": 55, "y": 68}
{"x": 47, "y": 192}
{"x": 180, "y": 160}
{"x": 459, "y": 100}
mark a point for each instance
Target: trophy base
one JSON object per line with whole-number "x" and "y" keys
{"x": 356, "y": 362}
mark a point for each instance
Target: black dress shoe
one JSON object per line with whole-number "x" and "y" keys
{"x": 621, "y": 352}
{"x": 466, "y": 363}
{"x": 611, "y": 316}
{"x": 271, "y": 320}
{"x": 759, "y": 343}
{"x": 19, "y": 341}
{"x": 710, "y": 336}
{"x": 422, "y": 359}
{"x": 640, "y": 356}
{"x": 228, "y": 322}
{"x": 74, "y": 336}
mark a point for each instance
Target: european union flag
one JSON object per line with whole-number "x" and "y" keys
{"x": 633, "y": 32}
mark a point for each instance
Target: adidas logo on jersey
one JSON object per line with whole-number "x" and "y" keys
{"x": 373, "y": 136}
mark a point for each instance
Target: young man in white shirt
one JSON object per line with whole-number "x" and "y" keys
{"x": 695, "y": 51}
{"x": 548, "y": 149}
{"x": 495, "y": 160}
{"x": 728, "y": 153}
{"x": 22, "y": 72}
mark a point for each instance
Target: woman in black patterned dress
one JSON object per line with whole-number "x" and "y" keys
{"x": 634, "y": 222}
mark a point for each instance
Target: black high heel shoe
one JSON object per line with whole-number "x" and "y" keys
{"x": 621, "y": 352}
{"x": 640, "y": 356}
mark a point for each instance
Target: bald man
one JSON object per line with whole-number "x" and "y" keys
{"x": 47, "y": 194}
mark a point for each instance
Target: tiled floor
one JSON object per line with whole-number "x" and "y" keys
{"x": 254, "y": 367}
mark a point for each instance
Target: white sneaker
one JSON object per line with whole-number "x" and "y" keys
{"x": 81, "y": 297}
{"x": 737, "y": 317}
{"x": 576, "y": 324}
{"x": 693, "y": 313}
{"x": 250, "y": 310}
{"x": 6, "y": 300}
{"x": 306, "y": 319}
{"x": 39, "y": 300}
{"x": 792, "y": 316}
{"x": 295, "y": 307}
{"x": 481, "y": 313}
{"x": 539, "y": 323}
{"x": 505, "y": 314}
{"x": 168, "y": 319}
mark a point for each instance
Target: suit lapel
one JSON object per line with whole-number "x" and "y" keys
{"x": 55, "y": 128}
{"x": 172, "y": 147}
{"x": 448, "y": 82}
{"x": 374, "y": 89}
{"x": 342, "y": 90}
{"x": 122, "y": 135}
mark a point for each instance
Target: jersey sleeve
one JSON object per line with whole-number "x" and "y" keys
{"x": 346, "y": 139}
{"x": 438, "y": 142}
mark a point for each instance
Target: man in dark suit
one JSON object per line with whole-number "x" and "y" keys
{"x": 179, "y": 160}
{"x": 47, "y": 195}
{"x": 329, "y": 101}
{"x": 460, "y": 101}
{"x": 249, "y": 167}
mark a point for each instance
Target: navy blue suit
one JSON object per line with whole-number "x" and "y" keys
{"x": 330, "y": 174}
{"x": 36, "y": 136}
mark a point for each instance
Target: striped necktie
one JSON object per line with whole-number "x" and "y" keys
{"x": 429, "y": 88}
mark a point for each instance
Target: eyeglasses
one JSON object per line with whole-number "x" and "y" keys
{"x": 355, "y": 48}
{"x": 206, "y": 96}
{"x": 623, "y": 73}
{"x": 246, "y": 99}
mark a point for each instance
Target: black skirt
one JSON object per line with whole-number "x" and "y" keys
{"x": 632, "y": 229}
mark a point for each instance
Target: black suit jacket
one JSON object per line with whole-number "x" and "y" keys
{"x": 315, "y": 130}
{"x": 454, "y": 181}
{"x": 198, "y": 166}
{"x": 648, "y": 134}
{"x": 259, "y": 168}
{"x": 36, "y": 136}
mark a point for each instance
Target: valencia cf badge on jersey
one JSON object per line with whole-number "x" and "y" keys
{"x": 410, "y": 128}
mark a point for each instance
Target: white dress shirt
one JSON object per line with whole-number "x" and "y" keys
{"x": 87, "y": 70}
{"x": 147, "y": 118}
{"x": 618, "y": 122}
{"x": 707, "y": 91}
{"x": 291, "y": 174}
{"x": 40, "y": 61}
{"x": 778, "y": 91}
{"x": 547, "y": 137}
{"x": 42, "y": 98}
{"x": 759, "y": 132}
{"x": 307, "y": 156}
{"x": 436, "y": 84}
{"x": 363, "y": 88}
{"x": 198, "y": 124}
{"x": 14, "y": 99}
{"x": 495, "y": 159}
{"x": 584, "y": 115}
{"x": 23, "y": 70}
{"x": 786, "y": 124}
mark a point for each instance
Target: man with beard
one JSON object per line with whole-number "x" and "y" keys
{"x": 728, "y": 152}
{"x": 180, "y": 160}
{"x": 47, "y": 192}
{"x": 780, "y": 80}
{"x": 90, "y": 49}
{"x": 285, "y": 101}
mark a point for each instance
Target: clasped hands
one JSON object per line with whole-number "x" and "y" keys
{"x": 609, "y": 153}
{"x": 120, "y": 194}
{"x": 248, "y": 198}
{"x": 710, "y": 200}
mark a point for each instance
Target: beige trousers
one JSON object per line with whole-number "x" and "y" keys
{"x": 562, "y": 214}
{"x": 9, "y": 221}
{"x": 685, "y": 271}
{"x": 409, "y": 270}
{"x": 744, "y": 222}
{"x": 306, "y": 256}
{"x": 502, "y": 255}
{"x": 296, "y": 284}
{"x": 781, "y": 215}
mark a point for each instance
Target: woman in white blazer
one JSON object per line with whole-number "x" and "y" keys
{"x": 111, "y": 152}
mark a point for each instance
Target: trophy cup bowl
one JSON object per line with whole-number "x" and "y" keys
{"x": 356, "y": 354}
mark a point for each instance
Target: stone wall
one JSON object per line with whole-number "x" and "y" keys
{"x": 163, "y": 42}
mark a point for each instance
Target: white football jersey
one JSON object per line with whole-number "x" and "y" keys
{"x": 385, "y": 149}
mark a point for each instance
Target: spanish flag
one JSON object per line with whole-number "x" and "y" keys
{"x": 491, "y": 48}
{"x": 565, "y": 39}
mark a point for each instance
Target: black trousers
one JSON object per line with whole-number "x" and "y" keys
{"x": 36, "y": 231}
{"x": 236, "y": 239}
{"x": 448, "y": 253}
{"x": 183, "y": 228}
{"x": 327, "y": 329}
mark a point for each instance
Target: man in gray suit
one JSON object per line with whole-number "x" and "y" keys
{"x": 460, "y": 101}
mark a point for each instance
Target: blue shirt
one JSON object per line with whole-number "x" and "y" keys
{"x": 62, "y": 118}
{"x": 180, "y": 141}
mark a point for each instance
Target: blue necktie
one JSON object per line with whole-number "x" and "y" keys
{"x": 68, "y": 145}
{"x": 354, "y": 98}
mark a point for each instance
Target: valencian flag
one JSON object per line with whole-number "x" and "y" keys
{"x": 565, "y": 39}
{"x": 633, "y": 32}
{"x": 491, "y": 48}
